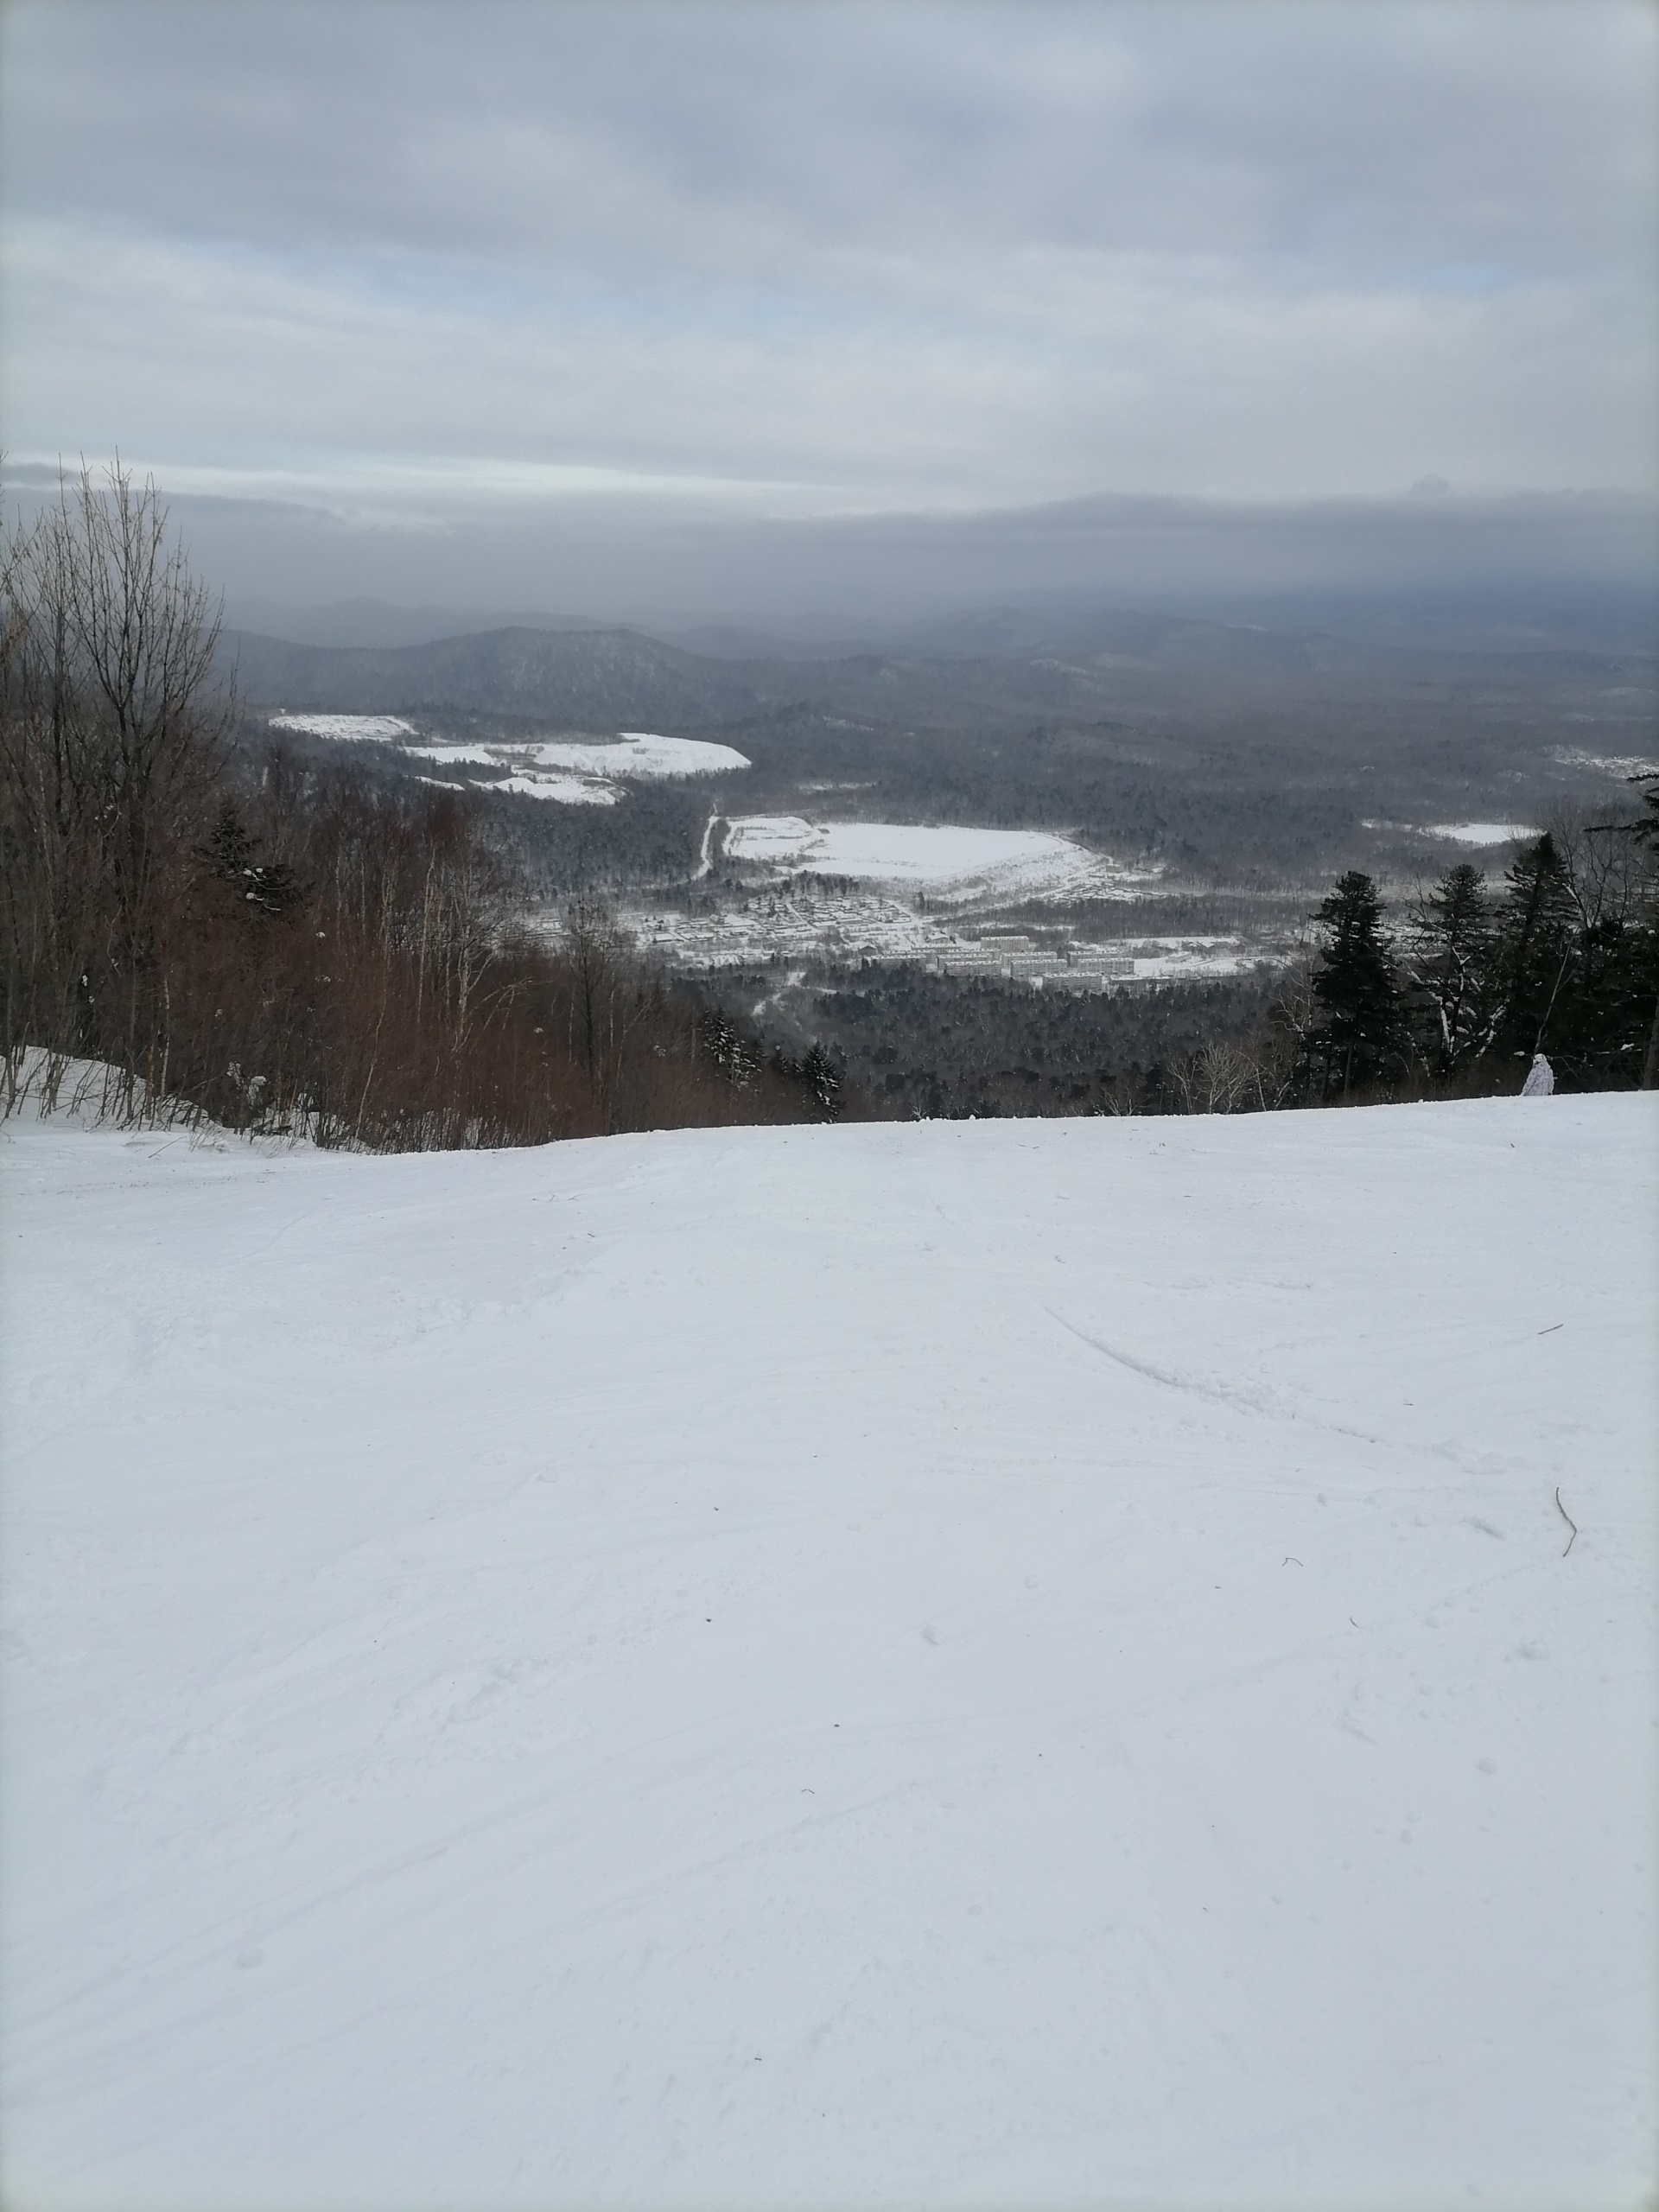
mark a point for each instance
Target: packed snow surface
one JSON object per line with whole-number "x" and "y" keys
{"x": 348, "y": 729}
{"x": 1008, "y": 1664}
{"x": 940, "y": 859}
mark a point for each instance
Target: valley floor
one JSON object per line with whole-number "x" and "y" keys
{"x": 1009, "y": 1663}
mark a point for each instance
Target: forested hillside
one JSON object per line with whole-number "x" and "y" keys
{"x": 286, "y": 946}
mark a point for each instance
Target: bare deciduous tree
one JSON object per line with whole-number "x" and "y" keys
{"x": 112, "y": 745}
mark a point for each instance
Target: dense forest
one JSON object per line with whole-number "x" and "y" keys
{"x": 1561, "y": 961}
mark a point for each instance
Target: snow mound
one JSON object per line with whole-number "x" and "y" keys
{"x": 1020, "y": 1662}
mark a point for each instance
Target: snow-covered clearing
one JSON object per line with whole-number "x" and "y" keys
{"x": 1480, "y": 833}
{"x": 563, "y": 791}
{"x": 674, "y": 756}
{"x": 572, "y": 771}
{"x": 579, "y": 773}
{"x": 348, "y": 729}
{"x": 1010, "y": 1663}
{"x": 1624, "y": 765}
{"x": 1458, "y": 833}
{"x": 948, "y": 862}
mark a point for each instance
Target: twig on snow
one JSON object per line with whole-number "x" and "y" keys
{"x": 1567, "y": 1517}
{"x": 1551, "y": 1330}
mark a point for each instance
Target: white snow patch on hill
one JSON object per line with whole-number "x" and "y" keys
{"x": 573, "y": 773}
{"x": 579, "y": 773}
{"x": 1481, "y": 833}
{"x": 563, "y": 791}
{"x": 347, "y": 729}
{"x": 942, "y": 859}
{"x": 1625, "y": 766}
{"x": 1010, "y": 1663}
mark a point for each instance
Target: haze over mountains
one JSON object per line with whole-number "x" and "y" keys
{"x": 581, "y": 678}
{"x": 363, "y": 656}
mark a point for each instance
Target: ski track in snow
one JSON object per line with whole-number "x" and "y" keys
{"x": 1241, "y": 1395}
{"x": 1009, "y": 1663}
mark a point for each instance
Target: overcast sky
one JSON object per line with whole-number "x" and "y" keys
{"x": 426, "y": 301}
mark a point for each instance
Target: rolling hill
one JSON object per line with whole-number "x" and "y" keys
{"x": 588, "y": 678}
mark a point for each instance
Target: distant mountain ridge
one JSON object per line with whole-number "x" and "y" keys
{"x": 379, "y": 626}
{"x": 582, "y": 678}
{"x": 1000, "y": 659}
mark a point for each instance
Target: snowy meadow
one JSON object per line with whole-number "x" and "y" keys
{"x": 1012, "y": 1663}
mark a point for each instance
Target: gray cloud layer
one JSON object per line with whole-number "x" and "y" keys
{"x": 542, "y": 277}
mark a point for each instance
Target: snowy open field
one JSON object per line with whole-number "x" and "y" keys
{"x": 1009, "y": 1664}
{"x": 896, "y": 891}
{"x": 576, "y": 774}
{"x": 347, "y": 729}
{"x": 1481, "y": 833}
{"x": 1461, "y": 833}
{"x": 948, "y": 861}
{"x": 573, "y": 771}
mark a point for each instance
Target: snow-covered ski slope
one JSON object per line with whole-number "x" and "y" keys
{"x": 1004, "y": 1663}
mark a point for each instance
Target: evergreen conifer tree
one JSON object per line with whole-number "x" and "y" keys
{"x": 1536, "y": 945}
{"x": 1451, "y": 971}
{"x": 1647, "y": 833}
{"x": 823, "y": 1083}
{"x": 1357, "y": 1034}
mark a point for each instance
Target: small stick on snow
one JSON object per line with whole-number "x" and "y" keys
{"x": 1289, "y": 1561}
{"x": 1567, "y": 1517}
{"x": 1551, "y": 1330}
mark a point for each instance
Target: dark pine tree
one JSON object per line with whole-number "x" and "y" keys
{"x": 822, "y": 1082}
{"x": 1536, "y": 943}
{"x": 1647, "y": 833}
{"x": 1358, "y": 1034}
{"x": 1452, "y": 998}
{"x": 230, "y": 852}
{"x": 1600, "y": 1035}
